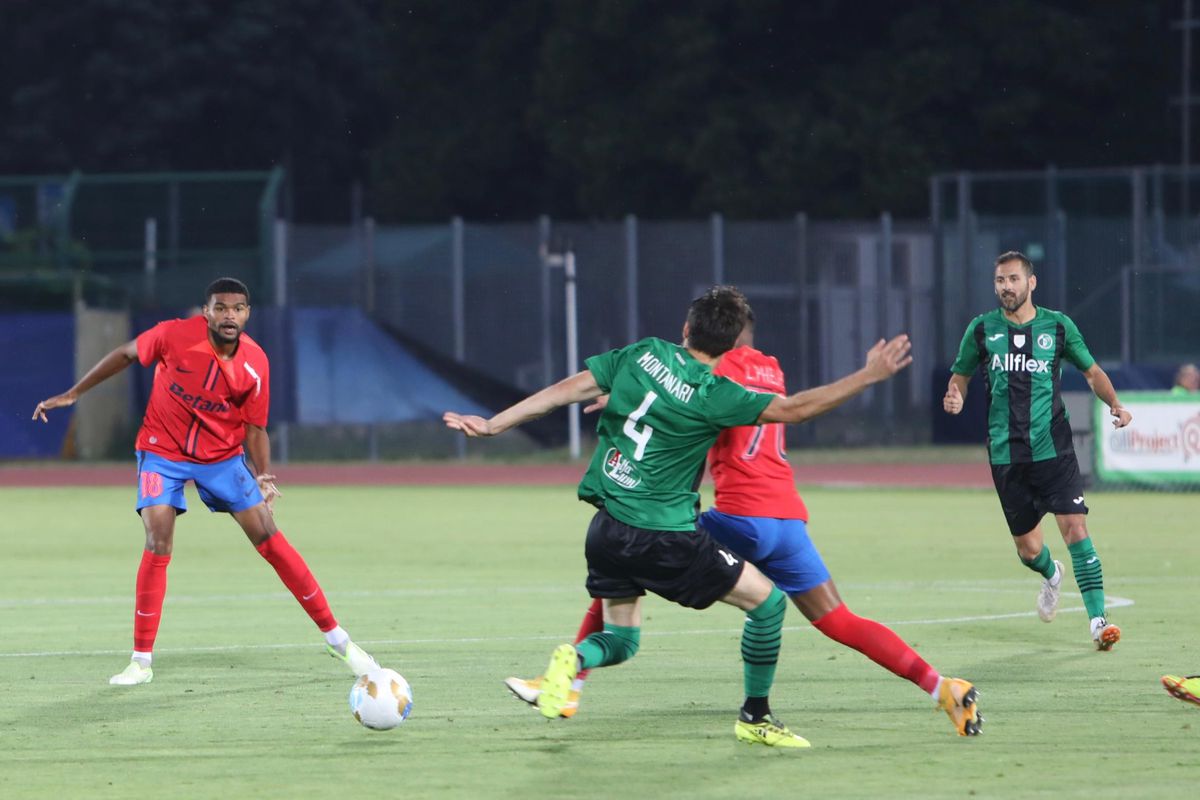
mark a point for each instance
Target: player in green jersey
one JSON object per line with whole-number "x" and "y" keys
{"x": 664, "y": 412}
{"x": 1021, "y": 347}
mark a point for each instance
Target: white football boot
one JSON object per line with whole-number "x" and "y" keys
{"x": 133, "y": 675}
{"x": 1047, "y": 602}
{"x": 358, "y": 660}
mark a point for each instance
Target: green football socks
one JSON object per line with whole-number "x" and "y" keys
{"x": 1088, "y": 576}
{"x": 1043, "y": 564}
{"x": 761, "y": 637}
{"x": 616, "y": 643}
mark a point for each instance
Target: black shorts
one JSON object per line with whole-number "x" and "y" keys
{"x": 1031, "y": 490}
{"x": 685, "y": 567}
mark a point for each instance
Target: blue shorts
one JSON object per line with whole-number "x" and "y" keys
{"x": 224, "y": 486}
{"x": 780, "y": 548}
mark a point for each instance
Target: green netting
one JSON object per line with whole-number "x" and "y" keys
{"x": 159, "y": 237}
{"x": 1115, "y": 248}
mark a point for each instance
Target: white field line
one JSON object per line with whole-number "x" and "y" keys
{"x": 1113, "y": 602}
{"x": 995, "y": 586}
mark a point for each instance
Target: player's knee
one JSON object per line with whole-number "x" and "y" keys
{"x": 1075, "y": 532}
{"x": 257, "y": 523}
{"x": 159, "y": 546}
{"x": 259, "y": 534}
{"x": 1029, "y": 550}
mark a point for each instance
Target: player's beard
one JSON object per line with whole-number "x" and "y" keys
{"x": 226, "y": 338}
{"x": 1010, "y": 302}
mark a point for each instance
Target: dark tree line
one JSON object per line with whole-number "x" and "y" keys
{"x": 588, "y": 108}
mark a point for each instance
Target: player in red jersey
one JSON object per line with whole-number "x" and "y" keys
{"x": 207, "y": 413}
{"x": 759, "y": 515}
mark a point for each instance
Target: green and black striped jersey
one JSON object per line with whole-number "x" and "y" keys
{"x": 664, "y": 412}
{"x": 1022, "y": 367}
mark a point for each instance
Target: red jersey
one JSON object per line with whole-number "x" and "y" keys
{"x": 748, "y": 464}
{"x": 200, "y": 403}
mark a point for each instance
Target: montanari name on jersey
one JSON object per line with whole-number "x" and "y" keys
{"x": 663, "y": 375}
{"x": 665, "y": 409}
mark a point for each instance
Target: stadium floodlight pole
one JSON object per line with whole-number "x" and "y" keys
{"x": 566, "y": 260}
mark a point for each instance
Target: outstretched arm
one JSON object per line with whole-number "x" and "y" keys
{"x": 1102, "y": 387}
{"x": 575, "y": 389}
{"x": 884, "y": 360}
{"x": 105, "y": 368}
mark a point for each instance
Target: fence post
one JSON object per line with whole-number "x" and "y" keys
{"x": 457, "y": 292}
{"x": 808, "y": 354}
{"x": 718, "y": 248}
{"x": 965, "y": 244}
{"x": 1160, "y": 217}
{"x": 62, "y": 221}
{"x": 566, "y": 260}
{"x": 631, "y": 279}
{"x": 150, "y": 258}
{"x": 883, "y": 276}
{"x": 1138, "y": 199}
{"x": 369, "y": 264}
{"x": 572, "y": 348}
{"x": 1126, "y": 315}
{"x": 173, "y": 224}
{"x": 939, "y": 263}
{"x": 547, "y": 351}
{"x": 458, "y": 312}
{"x": 282, "y": 438}
{"x": 1050, "y": 189}
{"x": 280, "y": 262}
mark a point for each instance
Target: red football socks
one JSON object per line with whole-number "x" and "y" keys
{"x": 148, "y": 601}
{"x": 878, "y": 643}
{"x": 593, "y": 622}
{"x": 297, "y": 577}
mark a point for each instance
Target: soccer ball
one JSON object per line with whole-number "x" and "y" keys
{"x": 381, "y": 699}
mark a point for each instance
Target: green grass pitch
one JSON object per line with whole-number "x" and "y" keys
{"x": 457, "y": 588}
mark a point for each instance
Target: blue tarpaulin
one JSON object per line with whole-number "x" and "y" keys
{"x": 42, "y": 349}
{"x": 349, "y": 371}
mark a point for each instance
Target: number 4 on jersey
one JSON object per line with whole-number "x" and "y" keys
{"x": 640, "y": 436}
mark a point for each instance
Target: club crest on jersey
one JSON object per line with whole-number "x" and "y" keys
{"x": 1045, "y": 341}
{"x": 1019, "y": 362}
{"x": 1018, "y": 340}
{"x": 620, "y": 470}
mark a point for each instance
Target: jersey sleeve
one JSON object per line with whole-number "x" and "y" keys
{"x": 1074, "y": 350}
{"x": 152, "y": 344}
{"x": 968, "y": 352}
{"x": 258, "y": 403}
{"x": 604, "y": 366}
{"x": 729, "y": 405}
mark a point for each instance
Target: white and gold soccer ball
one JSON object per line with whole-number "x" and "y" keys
{"x": 381, "y": 699}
